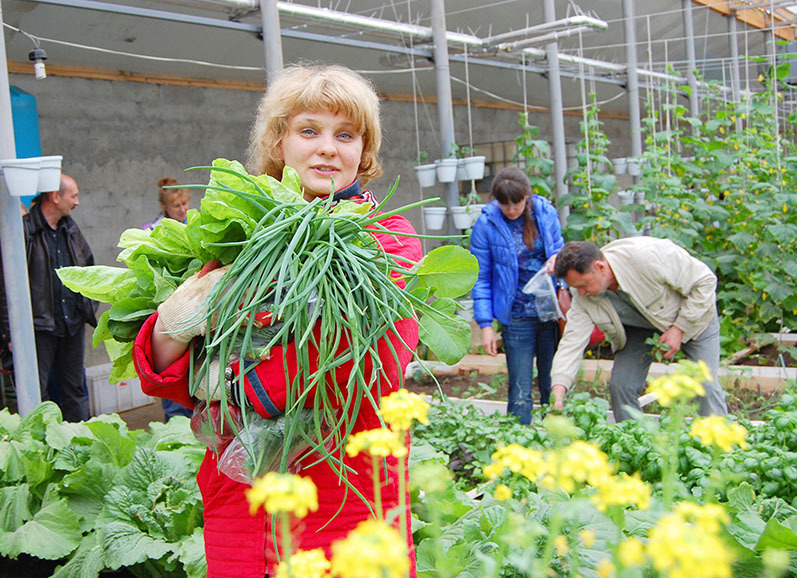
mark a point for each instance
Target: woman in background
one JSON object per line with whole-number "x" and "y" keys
{"x": 174, "y": 202}
{"x": 514, "y": 237}
{"x": 174, "y": 205}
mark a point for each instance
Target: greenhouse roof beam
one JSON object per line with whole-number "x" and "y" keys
{"x": 756, "y": 16}
{"x": 558, "y": 25}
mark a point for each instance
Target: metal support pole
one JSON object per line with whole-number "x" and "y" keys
{"x": 272, "y": 42}
{"x": 557, "y": 112}
{"x": 15, "y": 267}
{"x": 735, "y": 72}
{"x": 689, "y": 34}
{"x": 633, "y": 79}
{"x": 445, "y": 108}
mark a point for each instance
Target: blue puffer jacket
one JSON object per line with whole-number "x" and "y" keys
{"x": 491, "y": 242}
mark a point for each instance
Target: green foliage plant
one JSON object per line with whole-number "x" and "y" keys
{"x": 722, "y": 187}
{"x": 531, "y": 152}
{"x": 592, "y": 217}
{"x": 98, "y": 497}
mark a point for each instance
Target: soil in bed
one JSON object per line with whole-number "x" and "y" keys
{"x": 742, "y": 402}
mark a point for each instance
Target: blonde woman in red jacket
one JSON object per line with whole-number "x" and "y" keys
{"x": 324, "y": 123}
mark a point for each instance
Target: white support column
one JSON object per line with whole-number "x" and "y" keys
{"x": 272, "y": 41}
{"x": 689, "y": 34}
{"x": 445, "y": 108}
{"x": 15, "y": 266}
{"x": 557, "y": 112}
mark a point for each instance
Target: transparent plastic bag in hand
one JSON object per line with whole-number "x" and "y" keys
{"x": 212, "y": 428}
{"x": 542, "y": 289}
{"x": 259, "y": 446}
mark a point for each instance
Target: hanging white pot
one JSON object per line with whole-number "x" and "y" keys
{"x": 620, "y": 165}
{"x": 462, "y": 173}
{"x": 434, "y": 217}
{"x": 639, "y": 197}
{"x": 625, "y": 197}
{"x": 50, "y": 173}
{"x": 461, "y": 217}
{"x": 426, "y": 175}
{"x": 474, "y": 167}
{"x": 474, "y": 211}
{"x": 446, "y": 170}
{"x": 21, "y": 175}
{"x": 634, "y": 167}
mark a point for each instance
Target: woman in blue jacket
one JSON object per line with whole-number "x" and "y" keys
{"x": 514, "y": 237}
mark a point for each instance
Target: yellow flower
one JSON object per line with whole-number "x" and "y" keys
{"x": 764, "y": 296}
{"x": 560, "y": 542}
{"x": 401, "y": 407}
{"x": 283, "y": 493}
{"x": 718, "y": 432}
{"x": 760, "y": 78}
{"x": 708, "y": 518}
{"x": 372, "y": 550}
{"x": 305, "y": 564}
{"x": 631, "y": 552}
{"x": 518, "y": 460}
{"x": 503, "y": 493}
{"x": 621, "y": 490}
{"x": 722, "y": 130}
{"x": 605, "y": 568}
{"x": 683, "y": 385}
{"x": 587, "y": 537}
{"x": 680, "y": 549}
{"x": 381, "y": 442}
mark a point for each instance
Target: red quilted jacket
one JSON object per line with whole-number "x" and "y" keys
{"x": 238, "y": 545}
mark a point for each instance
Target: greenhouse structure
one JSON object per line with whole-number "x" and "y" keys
{"x": 674, "y": 120}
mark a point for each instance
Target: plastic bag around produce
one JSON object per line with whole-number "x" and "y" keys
{"x": 258, "y": 447}
{"x": 544, "y": 292}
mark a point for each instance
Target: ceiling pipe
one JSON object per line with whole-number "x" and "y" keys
{"x": 580, "y": 20}
{"x": 542, "y": 39}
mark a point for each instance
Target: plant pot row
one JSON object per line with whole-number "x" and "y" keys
{"x": 464, "y": 217}
{"x": 450, "y": 170}
{"x": 630, "y": 165}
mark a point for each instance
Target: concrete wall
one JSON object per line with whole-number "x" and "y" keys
{"x": 119, "y": 138}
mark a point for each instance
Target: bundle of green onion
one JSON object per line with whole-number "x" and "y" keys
{"x": 311, "y": 265}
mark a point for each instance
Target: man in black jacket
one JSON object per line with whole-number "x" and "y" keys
{"x": 53, "y": 240}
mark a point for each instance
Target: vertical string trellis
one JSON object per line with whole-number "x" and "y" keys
{"x": 415, "y": 114}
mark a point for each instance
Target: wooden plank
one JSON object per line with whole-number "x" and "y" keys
{"x": 755, "y": 17}
{"x": 121, "y": 75}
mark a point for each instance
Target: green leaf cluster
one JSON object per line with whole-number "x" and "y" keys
{"x": 723, "y": 187}
{"x": 237, "y": 207}
{"x": 99, "y": 497}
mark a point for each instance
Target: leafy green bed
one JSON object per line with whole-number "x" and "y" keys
{"x": 100, "y": 497}
{"x": 459, "y": 431}
{"x": 461, "y": 529}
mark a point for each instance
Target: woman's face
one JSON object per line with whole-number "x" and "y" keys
{"x": 177, "y": 207}
{"x": 513, "y": 211}
{"x": 323, "y": 148}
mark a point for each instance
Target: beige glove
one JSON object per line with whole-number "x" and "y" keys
{"x": 182, "y": 315}
{"x": 209, "y": 388}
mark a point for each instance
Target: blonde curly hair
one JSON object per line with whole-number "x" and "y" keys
{"x": 312, "y": 87}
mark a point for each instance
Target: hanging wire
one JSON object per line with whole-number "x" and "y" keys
{"x": 586, "y": 120}
{"x": 775, "y": 106}
{"x": 415, "y": 113}
{"x": 467, "y": 96}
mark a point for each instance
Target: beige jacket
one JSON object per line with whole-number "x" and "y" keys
{"x": 667, "y": 286}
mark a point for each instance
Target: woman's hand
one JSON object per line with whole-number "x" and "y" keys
{"x": 180, "y": 317}
{"x": 489, "y": 340}
{"x": 559, "y": 392}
